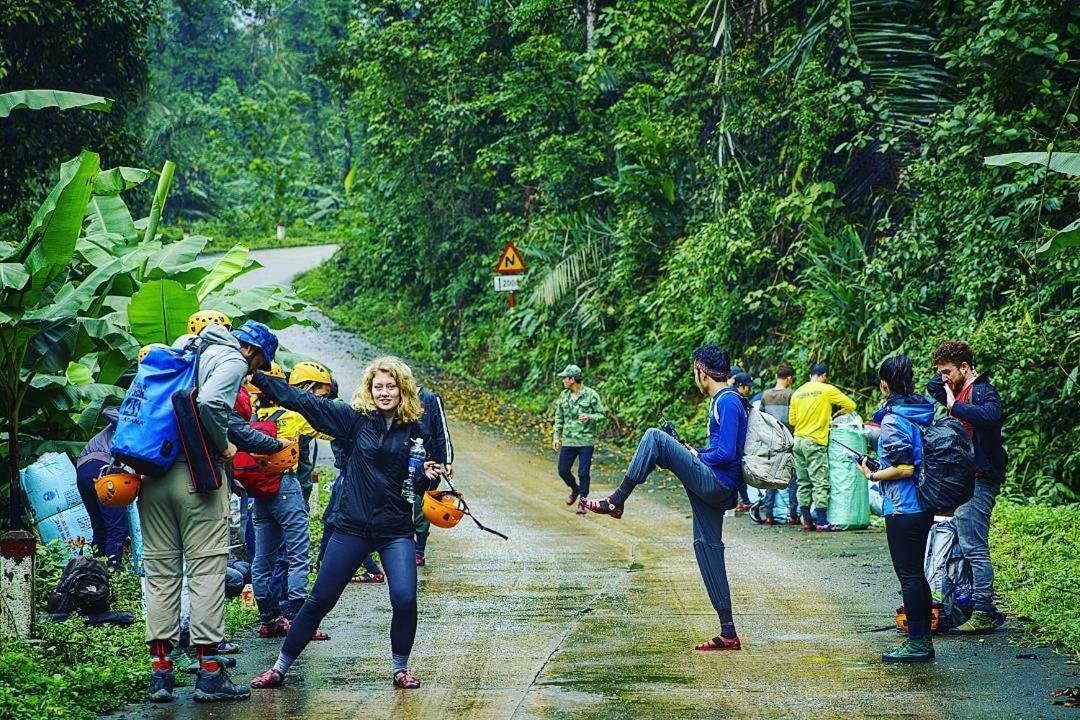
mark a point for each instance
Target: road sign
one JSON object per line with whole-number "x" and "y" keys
{"x": 507, "y": 283}
{"x": 510, "y": 262}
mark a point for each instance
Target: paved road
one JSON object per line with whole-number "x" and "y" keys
{"x": 594, "y": 618}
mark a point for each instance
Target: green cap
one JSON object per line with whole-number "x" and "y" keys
{"x": 571, "y": 371}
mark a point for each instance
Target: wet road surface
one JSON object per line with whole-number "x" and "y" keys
{"x": 586, "y": 617}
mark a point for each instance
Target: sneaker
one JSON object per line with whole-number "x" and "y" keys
{"x": 161, "y": 686}
{"x": 769, "y": 521}
{"x": 217, "y": 687}
{"x": 742, "y": 507}
{"x": 719, "y": 643}
{"x": 980, "y": 623}
{"x": 278, "y": 627}
{"x": 405, "y": 680}
{"x": 228, "y": 648}
{"x": 420, "y": 560}
{"x": 911, "y": 651}
{"x": 272, "y": 678}
{"x": 827, "y": 527}
{"x": 581, "y": 507}
{"x": 572, "y": 497}
{"x": 604, "y": 506}
{"x": 793, "y": 521}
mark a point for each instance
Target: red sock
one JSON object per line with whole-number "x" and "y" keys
{"x": 208, "y": 657}
{"x": 159, "y": 655}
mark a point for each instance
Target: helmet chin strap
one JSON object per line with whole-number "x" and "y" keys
{"x": 468, "y": 512}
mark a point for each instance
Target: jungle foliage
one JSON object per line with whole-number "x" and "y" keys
{"x": 797, "y": 180}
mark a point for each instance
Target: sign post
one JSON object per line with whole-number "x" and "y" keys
{"x": 508, "y": 271}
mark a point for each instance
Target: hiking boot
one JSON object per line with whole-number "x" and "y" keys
{"x": 980, "y": 623}
{"x": 405, "y": 680}
{"x": 793, "y": 521}
{"x": 581, "y": 510}
{"x": 768, "y": 521}
{"x": 572, "y": 497}
{"x": 742, "y": 507}
{"x": 161, "y": 686}
{"x": 278, "y": 627}
{"x": 421, "y": 561}
{"x": 215, "y": 686}
{"x": 270, "y": 679}
{"x": 911, "y": 651}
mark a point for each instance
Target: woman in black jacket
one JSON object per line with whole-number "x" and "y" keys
{"x": 373, "y": 507}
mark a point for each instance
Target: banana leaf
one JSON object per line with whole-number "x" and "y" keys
{"x": 51, "y": 237}
{"x": 119, "y": 179}
{"x": 40, "y": 99}
{"x": 174, "y": 256}
{"x": 1062, "y": 162}
{"x": 72, "y": 300}
{"x": 231, "y": 264}
{"x": 107, "y": 214}
{"x": 158, "y": 312}
{"x": 13, "y": 276}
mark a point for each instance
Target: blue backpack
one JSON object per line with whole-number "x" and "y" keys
{"x": 147, "y": 437}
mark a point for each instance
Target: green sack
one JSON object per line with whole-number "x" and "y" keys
{"x": 849, "y": 491}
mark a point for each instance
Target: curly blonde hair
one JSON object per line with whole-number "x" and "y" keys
{"x": 410, "y": 408}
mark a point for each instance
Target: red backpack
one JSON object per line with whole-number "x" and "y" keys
{"x": 258, "y": 481}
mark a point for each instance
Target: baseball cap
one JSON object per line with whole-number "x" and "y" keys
{"x": 571, "y": 371}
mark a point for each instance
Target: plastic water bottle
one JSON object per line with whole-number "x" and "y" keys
{"x": 417, "y": 454}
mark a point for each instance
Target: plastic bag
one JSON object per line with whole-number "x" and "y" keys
{"x": 849, "y": 494}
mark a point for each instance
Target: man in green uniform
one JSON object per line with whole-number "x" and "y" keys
{"x": 578, "y": 414}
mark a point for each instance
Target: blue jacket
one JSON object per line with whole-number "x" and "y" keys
{"x": 727, "y": 437}
{"x": 900, "y": 443}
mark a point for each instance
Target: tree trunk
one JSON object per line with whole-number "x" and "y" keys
{"x": 346, "y": 141}
{"x": 590, "y": 23}
{"x": 15, "y": 507}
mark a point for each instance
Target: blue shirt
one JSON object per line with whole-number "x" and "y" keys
{"x": 900, "y": 443}
{"x": 727, "y": 437}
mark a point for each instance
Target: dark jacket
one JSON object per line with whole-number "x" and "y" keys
{"x": 984, "y": 414}
{"x": 433, "y": 423}
{"x": 368, "y": 501}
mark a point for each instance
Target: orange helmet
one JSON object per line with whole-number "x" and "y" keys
{"x": 443, "y": 508}
{"x": 284, "y": 459}
{"x": 116, "y": 488}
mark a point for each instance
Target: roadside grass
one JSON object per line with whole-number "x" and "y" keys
{"x": 1036, "y": 555}
{"x": 224, "y": 237}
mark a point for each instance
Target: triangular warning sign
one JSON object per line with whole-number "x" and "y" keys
{"x": 510, "y": 262}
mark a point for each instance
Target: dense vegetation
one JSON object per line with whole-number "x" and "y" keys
{"x": 796, "y": 181}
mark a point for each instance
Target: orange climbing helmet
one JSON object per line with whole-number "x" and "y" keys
{"x": 284, "y": 459}
{"x": 444, "y": 508}
{"x": 117, "y": 488}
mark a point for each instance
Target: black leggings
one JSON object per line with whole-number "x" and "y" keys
{"x": 907, "y": 536}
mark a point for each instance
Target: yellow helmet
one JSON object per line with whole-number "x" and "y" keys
{"x": 307, "y": 371}
{"x": 201, "y": 319}
{"x": 274, "y": 371}
{"x": 145, "y": 350}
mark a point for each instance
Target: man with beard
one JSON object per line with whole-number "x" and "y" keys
{"x": 973, "y": 401}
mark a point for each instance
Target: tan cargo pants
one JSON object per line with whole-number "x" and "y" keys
{"x": 178, "y": 524}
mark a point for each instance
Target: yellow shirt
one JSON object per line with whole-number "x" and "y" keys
{"x": 812, "y": 409}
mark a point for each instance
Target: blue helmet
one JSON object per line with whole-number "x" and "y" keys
{"x": 258, "y": 335}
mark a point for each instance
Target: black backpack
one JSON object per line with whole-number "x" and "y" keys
{"x": 83, "y": 588}
{"x": 947, "y": 476}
